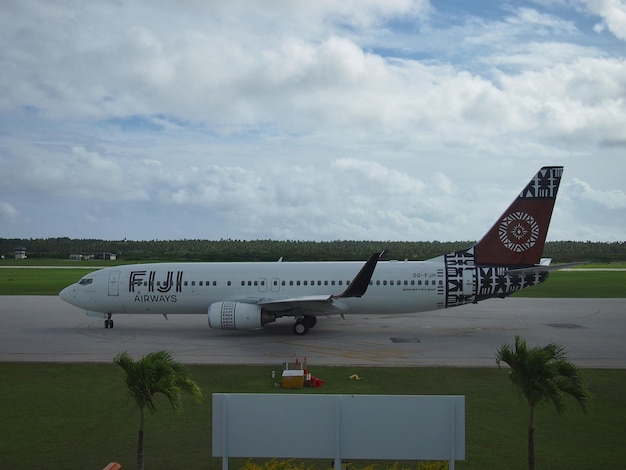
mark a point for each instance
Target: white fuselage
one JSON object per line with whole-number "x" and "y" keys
{"x": 190, "y": 288}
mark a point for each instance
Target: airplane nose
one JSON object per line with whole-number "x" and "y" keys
{"x": 67, "y": 294}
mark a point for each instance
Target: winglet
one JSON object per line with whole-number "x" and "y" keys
{"x": 361, "y": 281}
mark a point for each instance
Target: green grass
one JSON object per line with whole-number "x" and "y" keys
{"x": 38, "y": 281}
{"x": 611, "y": 265}
{"x": 77, "y": 416}
{"x": 580, "y": 284}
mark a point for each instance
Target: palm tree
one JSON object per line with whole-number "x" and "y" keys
{"x": 542, "y": 375}
{"x": 156, "y": 372}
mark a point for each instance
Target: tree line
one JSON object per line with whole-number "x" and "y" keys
{"x": 289, "y": 250}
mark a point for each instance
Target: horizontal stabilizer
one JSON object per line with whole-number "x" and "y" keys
{"x": 542, "y": 268}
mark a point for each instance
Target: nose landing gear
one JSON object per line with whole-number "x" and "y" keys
{"x": 108, "y": 323}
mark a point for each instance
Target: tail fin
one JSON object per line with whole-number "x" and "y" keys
{"x": 518, "y": 237}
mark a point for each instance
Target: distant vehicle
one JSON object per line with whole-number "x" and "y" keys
{"x": 247, "y": 296}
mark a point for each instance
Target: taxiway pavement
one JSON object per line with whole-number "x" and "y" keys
{"x": 45, "y": 329}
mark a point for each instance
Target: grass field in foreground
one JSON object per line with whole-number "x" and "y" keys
{"x": 580, "y": 284}
{"x": 77, "y": 416}
{"x": 31, "y": 281}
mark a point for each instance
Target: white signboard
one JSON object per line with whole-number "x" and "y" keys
{"x": 390, "y": 427}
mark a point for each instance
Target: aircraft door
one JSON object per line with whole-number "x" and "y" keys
{"x": 114, "y": 283}
{"x": 262, "y": 284}
{"x": 275, "y": 284}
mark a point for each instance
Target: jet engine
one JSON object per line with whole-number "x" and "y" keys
{"x": 230, "y": 315}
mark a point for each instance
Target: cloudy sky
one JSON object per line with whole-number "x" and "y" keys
{"x": 308, "y": 120}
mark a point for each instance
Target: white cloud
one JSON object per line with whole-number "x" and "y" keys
{"x": 378, "y": 177}
{"x": 582, "y": 191}
{"x": 322, "y": 120}
{"x": 613, "y": 14}
{"x": 8, "y": 211}
{"x": 587, "y": 213}
{"x": 542, "y": 24}
{"x": 75, "y": 172}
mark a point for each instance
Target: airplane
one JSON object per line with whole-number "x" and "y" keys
{"x": 247, "y": 296}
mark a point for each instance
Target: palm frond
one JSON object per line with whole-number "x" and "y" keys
{"x": 543, "y": 374}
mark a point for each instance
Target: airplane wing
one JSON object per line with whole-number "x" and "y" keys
{"x": 325, "y": 303}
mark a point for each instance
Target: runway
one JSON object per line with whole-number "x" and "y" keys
{"x": 45, "y": 329}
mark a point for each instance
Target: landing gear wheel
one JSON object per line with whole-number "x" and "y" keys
{"x": 300, "y": 327}
{"x": 108, "y": 323}
{"x": 309, "y": 320}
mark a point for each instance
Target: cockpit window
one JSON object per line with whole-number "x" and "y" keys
{"x": 85, "y": 281}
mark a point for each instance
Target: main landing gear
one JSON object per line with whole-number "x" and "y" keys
{"x": 304, "y": 324}
{"x": 108, "y": 323}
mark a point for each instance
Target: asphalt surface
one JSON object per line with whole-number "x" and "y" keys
{"x": 45, "y": 329}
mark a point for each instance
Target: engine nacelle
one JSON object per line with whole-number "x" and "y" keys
{"x": 231, "y": 315}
